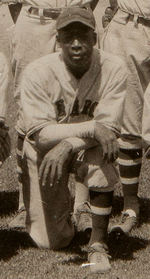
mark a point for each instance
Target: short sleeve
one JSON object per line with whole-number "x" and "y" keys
{"x": 36, "y": 99}
{"x": 109, "y": 110}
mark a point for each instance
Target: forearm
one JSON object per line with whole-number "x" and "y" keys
{"x": 81, "y": 144}
{"x": 52, "y": 134}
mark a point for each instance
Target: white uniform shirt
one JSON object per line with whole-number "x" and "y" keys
{"x": 139, "y": 7}
{"x": 51, "y": 94}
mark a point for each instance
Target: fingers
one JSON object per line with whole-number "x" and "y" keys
{"x": 110, "y": 149}
{"x": 59, "y": 171}
{"x": 48, "y": 170}
{"x": 44, "y": 171}
{"x": 53, "y": 173}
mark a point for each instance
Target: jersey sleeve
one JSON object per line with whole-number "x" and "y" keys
{"x": 145, "y": 120}
{"x": 36, "y": 100}
{"x": 109, "y": 110}
{"x": 4, "y": 80}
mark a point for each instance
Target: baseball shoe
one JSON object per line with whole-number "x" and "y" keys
{"x": 128, "y": 222}
{"x": 82, "y": 217}
{"x": 98, "y": 258}
{"x": 19, "y": 221}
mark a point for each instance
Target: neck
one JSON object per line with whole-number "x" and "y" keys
{"x": 78, "y": 72}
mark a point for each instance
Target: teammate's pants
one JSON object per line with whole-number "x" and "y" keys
{"x": 49, "y": 208}
{"x": 127, "y": 38}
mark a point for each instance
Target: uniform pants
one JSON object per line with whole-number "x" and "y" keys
{"x": 49, "y": 208}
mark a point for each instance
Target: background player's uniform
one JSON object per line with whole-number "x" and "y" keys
{"x": 128, "y": 36}
{"x": 6, "y": 28}
{"x": 4, "y": 80}
{"x": 145, "y": 122}
{"x": 50, "y": 94}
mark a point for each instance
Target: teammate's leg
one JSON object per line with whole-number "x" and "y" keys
{"x": 122, "y": 40}
{"x": 20, "y": 218}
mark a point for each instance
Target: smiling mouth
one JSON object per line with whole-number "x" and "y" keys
{"x": 76, "y": 57}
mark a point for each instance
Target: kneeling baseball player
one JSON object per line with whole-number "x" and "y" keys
{"x": 72, "y": 101}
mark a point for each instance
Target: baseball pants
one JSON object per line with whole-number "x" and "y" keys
{"x": 49, "y": 209}
{"x": 130, "y": 40}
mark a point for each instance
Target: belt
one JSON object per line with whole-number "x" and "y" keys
{"x": 50, "y": 13}
{"x": 139, "y": 19}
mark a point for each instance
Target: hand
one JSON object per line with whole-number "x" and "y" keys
{"x": 107, "y": 17}
{"x": 108, "y": 141}
{"x": 53, "y": 162}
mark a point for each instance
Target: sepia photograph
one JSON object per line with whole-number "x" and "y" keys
{"x": 74, "y": 139}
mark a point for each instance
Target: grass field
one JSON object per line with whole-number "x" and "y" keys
{"x": 20, "y": 260}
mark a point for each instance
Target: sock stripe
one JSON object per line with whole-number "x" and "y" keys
{"x": 127, "y": 181}
{"x": 100, "y": 199}
{"x": 130, "y": 171}
{"x": 130, "y": 154}
{"x": 124, "y": 162}
{"x": 101, "y": 210}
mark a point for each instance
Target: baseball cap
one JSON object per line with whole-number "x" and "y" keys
{"x": 76, "y": 14}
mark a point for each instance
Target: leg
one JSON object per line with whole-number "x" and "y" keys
{"x": 82, "y": 213}
{"x": 130, "y": 166}
{"x": 101, "y": 204}
{"x": 100, "y": 178}
{"x": 127, "y": 42}
{"x": 19, "y": 220}
{"x": 48, "y": 208}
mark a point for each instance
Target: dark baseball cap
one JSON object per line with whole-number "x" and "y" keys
{"x": 76, "y": 14}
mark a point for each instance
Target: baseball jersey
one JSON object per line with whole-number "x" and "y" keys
{"x": 51, "y": 94}
{"x": 56, "y": 3}
{"x": 4, "y": 79}
{"x": 139, "y": 7}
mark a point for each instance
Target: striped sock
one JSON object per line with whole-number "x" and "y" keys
{"x": 130, "y": 167}
{"x": 101, "y": 205}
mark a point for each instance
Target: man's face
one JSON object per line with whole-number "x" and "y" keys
{"x": 77, "y": 41}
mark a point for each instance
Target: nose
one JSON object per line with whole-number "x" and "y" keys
{"x": 76, "y": 45}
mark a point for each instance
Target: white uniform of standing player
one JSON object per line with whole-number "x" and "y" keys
{"x": 4, "y": 83}
{"x": 128, "y": 35}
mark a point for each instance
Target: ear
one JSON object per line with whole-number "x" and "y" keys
{"x": 94, "y": 38}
